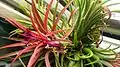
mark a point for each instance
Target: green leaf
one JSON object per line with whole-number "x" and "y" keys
{"x": 75, "y": 41}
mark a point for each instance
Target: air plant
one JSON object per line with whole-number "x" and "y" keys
{"x": 39, "y": 39}
{"x": 55, "y": 40}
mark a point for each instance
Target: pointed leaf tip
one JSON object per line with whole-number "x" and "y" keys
{"x": 46, "y": 15}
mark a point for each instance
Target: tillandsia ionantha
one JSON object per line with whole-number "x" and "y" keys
{"x": 53, "y": 39}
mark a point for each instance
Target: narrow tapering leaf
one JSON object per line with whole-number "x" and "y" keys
{"x": 60, "y": 14}
{"x": 37, "y": 18}
{"x": 22, "y": 52}
{"x": 13, "y": 45}
{"x": 35, "y": 56}
{"x": 46, "y": 15}
{"x": 34, "y": 24}
{"x": 17, "y": 24}
{"x": 47, "y": 62}
{"x": 8, "y": 55}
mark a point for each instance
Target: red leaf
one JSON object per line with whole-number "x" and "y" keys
{"x": 46, "y": 15}
{"x": 12, "y": 54}
{"x": 36, "y": 12}
{"x": 37, "y": 18}
{"x": 59, "y": 16}
{"x": 72, "y": 13}
{"x": 17, "y": 24}
{"x": 39, "y": 27}
{"x": 34, "y": 25}
{"x": 13, "y": 45}
{"x": 54, "y": 32}
{"x": 35, "y": 55}
{"x": 67, "y": 34}
{"x": 23, "y": 51}
{"x": 47, "y": 59}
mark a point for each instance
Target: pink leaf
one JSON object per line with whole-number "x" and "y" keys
{"x": 47, "y": 59}
{"x": 23, "y": 51}
{"x": 13, "y": 54}
{"x": 13, "y": 45}
{"x": 35, "y": 55}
